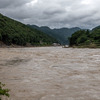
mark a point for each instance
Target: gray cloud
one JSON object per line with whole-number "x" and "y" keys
{"x": 53, "y": 13}
{"x": 12, "y": 3}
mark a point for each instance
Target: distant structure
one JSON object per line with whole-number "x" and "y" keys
{"x": 56, "y": 44}
{"x": 65, "y": 46}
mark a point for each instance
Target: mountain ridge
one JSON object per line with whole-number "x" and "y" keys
{"x": 61, "y": 34}
{"x": 15, "y": 32}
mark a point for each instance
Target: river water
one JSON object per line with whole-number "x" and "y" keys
{"x": 51, "y": 73}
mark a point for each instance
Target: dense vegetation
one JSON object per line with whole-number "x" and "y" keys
{"x": 14, "y": 32}
{"x": 86, "y": 38}
{"x": 61, "y": 34}
{"x": 3, "y": 92}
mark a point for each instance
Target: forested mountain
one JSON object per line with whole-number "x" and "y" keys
{"x": 14, "y": 32}
{"x": 61, "y": 34}
{"x": 85, "y": 38}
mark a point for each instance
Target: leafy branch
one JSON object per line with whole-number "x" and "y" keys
{"x": 3, "y": 92}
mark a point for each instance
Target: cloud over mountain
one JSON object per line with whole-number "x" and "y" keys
{"x": 53, "y": 13}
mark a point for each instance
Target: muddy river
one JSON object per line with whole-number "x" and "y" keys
{"x": 51, "y": 73}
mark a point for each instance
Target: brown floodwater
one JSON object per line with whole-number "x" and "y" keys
{"x": 51, "y": 73}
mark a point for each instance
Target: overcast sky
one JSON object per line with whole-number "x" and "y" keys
{"x": 54, "y": 13}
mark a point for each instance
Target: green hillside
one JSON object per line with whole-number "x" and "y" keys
{"x": 14, "y": 32}
{"x": 87, "y": 38}
{"x": 61, "y": 34}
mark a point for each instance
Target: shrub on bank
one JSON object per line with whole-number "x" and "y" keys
{"x": 3, "y": 92}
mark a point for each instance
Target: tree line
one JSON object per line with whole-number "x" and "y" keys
{"x": 86, "y": 38}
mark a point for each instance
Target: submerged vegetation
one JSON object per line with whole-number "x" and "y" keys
{"x": 14, "y": 32}
{"x": 86, "y": 38}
